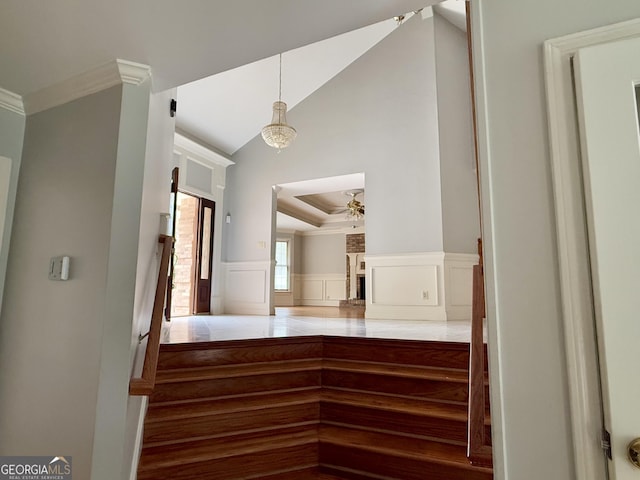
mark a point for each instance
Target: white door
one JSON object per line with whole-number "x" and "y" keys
{"x": 607, "y": 79}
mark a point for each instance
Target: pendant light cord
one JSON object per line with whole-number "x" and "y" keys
{"x": 280, "y": 83}
{"x": 280, "y": 90}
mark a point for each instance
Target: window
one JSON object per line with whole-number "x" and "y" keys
{"x": 281, "y": 281}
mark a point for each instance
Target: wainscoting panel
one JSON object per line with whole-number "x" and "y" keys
{"x": 458, "y": 276}
{"x": 323, "y": 290}
{"x": 406, "y": 286}
{"x": 420, "y": 286}
{"x": 247, "y": 287}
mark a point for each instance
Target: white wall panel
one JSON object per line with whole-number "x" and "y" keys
{"x": 247, "y": 287}
{"x": 461, "y": 278}
{"x": 312, "y": 290}
{"x": 458, "y": 277}
{"x": 335, "y": 289}
{"x": 404, "y": 285}
{"x": 322, "y": 290}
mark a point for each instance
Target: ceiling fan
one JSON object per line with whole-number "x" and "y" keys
{"x": 355, "y": 208}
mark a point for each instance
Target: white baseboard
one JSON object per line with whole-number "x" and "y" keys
{"x": 320, "y": 303}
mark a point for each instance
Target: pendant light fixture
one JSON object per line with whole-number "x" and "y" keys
{"x": 278, "y": 134}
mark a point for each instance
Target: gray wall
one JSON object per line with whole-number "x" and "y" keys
{"x": 11, "y": 139}
{"x": 460, "y": 211}
{"x": 51, "y": 332}
{"x": 323, "y": 254}
{"x": 525, "y": 324}
{"x": 378, "y": 116}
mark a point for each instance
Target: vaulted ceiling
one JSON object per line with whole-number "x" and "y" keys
{"x": 46, "y": 42}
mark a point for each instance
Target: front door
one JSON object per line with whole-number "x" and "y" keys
{"x": 607, "y": 79}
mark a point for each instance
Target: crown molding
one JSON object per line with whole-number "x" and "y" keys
{"x": 133, "y": 73}
{"x": 191, "y": 147}
{"x": 105, "y": 76}
{"x": 11, "y": 101}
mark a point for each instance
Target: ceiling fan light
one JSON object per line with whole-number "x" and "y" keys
{"x": 355, "y": 209}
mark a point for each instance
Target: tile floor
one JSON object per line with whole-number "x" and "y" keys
{"x": 202, "y": 328}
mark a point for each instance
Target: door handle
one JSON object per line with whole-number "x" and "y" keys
{"x": 633, "y": 452}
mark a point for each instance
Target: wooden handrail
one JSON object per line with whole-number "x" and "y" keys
{"x": 478, "y": 447}
{"x": 145, "y": 384}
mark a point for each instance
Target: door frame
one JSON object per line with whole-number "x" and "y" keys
{"x": 572, "y": 244}
{"x": 202, "y": 204}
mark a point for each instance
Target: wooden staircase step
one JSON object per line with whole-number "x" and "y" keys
{"x": 393, "y": 403}
{"x": 401, "y": 404}
{"x": 436, "y": 384}
{"x": 397, "y": 370}
{"x": 312, "y": 473}
{"x": 228, "y": 352}
{"x": 393, "y": 456}
{"x": 224, "y": 424}
{"x": 239, "y": 370}
{"x": 401, "y": 352}
{"x": 402, "y": 416}
{"x": 185, "y": 410}
{"x": 325, "y": 408}
{"x": 232, "y": 457}
{"x": 278, "y": 380}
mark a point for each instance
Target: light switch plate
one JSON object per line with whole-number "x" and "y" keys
{"x": 59, "y": 268}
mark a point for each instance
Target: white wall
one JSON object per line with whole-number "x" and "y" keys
{"x": 11, "y": 139}
{"x": 529, "y": 391}
{"x": 460, "y": 211}
{"x": 155, "y": 201}
{"x": 379, "y": 117}
{"x": 51, "y": 332}
{"x": 120, "y": 288}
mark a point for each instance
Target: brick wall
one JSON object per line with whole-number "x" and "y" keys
{"x": 355, "y": 243}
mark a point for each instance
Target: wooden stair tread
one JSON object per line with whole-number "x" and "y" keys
{"x": 181, "y": 410}
{"x": 236, "y": 370}
{"x": 240, "y": 370}
{"x": 397, "y": 404}
{"x": 398, "y": 446}
{"x": 203, "y": 450}
{"x": 404, "y": 371}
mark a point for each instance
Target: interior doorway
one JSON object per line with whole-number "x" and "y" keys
{"x": 193, "y": 259}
